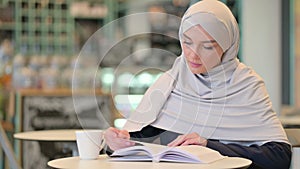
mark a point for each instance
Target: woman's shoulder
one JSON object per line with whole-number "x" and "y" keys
{"x": 244, "y": 72}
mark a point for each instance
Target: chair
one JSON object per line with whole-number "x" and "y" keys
{"x": 293, "y": 135}
{"x": 6, "y": 146}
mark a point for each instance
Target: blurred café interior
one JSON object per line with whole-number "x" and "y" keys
{"x": 73, "y": 64}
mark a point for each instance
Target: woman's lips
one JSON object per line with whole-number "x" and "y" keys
{"x": 195, "y": 65}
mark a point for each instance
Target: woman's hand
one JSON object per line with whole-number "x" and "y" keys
{"x": 117, "y": 139}
{"x": 189, "y": 139}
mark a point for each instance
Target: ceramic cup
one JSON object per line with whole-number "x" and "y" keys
{"x": 89, "y": 143}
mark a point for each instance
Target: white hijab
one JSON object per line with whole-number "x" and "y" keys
{"x": 230, "y": 102}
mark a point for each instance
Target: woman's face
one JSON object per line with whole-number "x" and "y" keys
{"x": 202, "y": 52}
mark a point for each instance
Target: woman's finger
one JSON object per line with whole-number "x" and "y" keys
{"x": 124, "y": 134}
{"x": 193, "y": 141}
{"x": 188, "y": 139}
{"x": 111, "y": 132}
{"x": 178, "y": 141}
{"x": 117, "y": 139}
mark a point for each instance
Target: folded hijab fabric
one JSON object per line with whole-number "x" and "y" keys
{"x": 229, "y": 102}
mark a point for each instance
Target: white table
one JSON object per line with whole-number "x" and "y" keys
{"x": 64, "y": 135}
{"x": 103, "y": 163}
{"x": 48, "y": 135}
{"x": 290, "y": 120}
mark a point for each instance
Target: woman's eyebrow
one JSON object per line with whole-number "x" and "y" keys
{"x": 205, "y": 41}
{"x": 209, "y": 41}
{"x": 187, "y": 37}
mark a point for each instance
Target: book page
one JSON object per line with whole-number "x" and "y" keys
{"x": 156, "y": 153}
{"x": 134, "y": 150}
{"x": 190, "y": 153}
{"x": 204, "y": 154}
{"x": 132, "y": 158}
{"x": 154, "y": 148}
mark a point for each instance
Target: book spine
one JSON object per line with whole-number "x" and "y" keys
{"x": 155, "y": 159}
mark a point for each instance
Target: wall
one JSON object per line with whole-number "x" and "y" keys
{"x": 295, "y": 62}
{"x": 261, "y": 43}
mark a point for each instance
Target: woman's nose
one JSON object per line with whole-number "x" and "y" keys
{"x": 194, "y": 54}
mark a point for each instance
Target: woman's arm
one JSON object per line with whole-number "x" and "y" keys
{"x": 147, "y": 134}
{"x": 117, "y": 139}
{"x": 272, "y": 155}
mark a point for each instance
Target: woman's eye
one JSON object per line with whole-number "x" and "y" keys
{"x": 187, "y": 42}
{"x": 208, "y": 47}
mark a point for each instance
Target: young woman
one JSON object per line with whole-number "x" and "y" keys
{"x": 209, "y": 98}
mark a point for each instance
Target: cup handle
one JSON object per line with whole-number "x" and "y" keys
{"x": 103, "y": 142}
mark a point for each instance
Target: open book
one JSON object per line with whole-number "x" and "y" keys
{"x": 157, "y": 153}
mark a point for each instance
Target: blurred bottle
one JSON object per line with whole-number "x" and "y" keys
{"x": 67, "y": 73}
{"x": 18, "y": 64}
{"x": 23, "y": 76}
{"x": 35, "y": 65}
{"x": 1, "y": 103}
{"x": 6, "y": 75}
{"x": 6, "y": 51}
{"x": 49, "y": 78}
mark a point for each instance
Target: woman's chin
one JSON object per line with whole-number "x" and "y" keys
{"x": 197, "y": 70}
